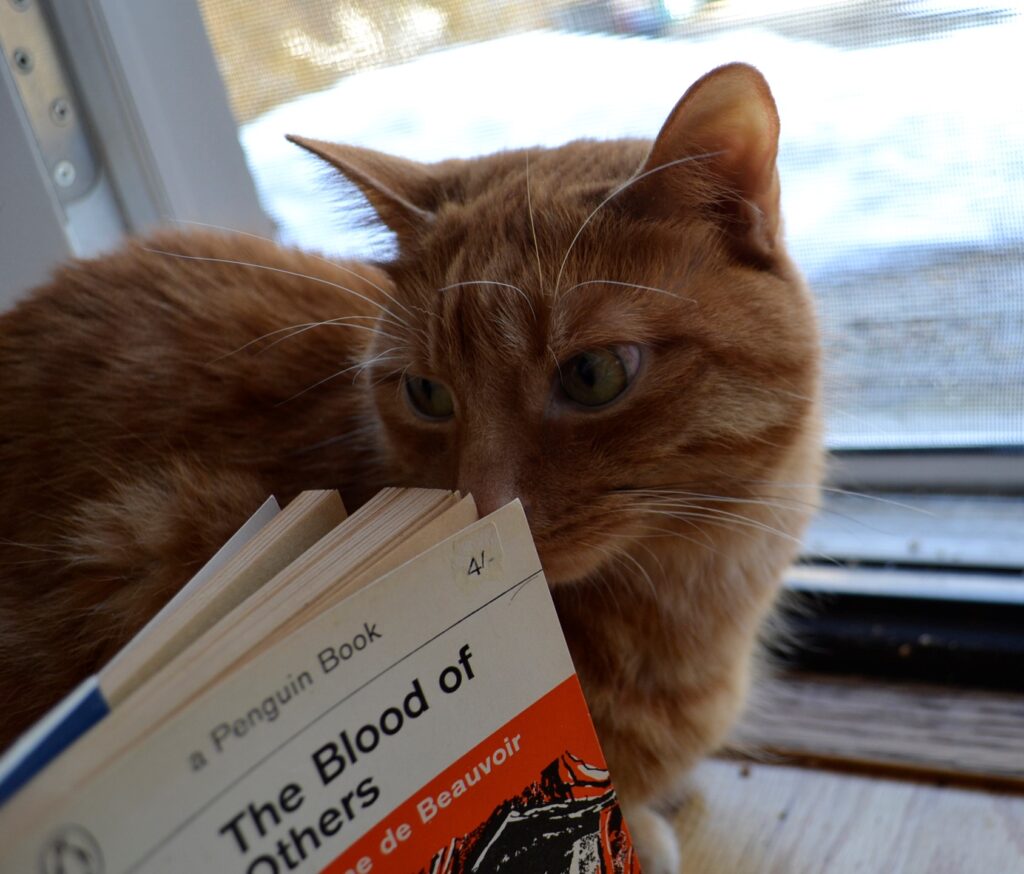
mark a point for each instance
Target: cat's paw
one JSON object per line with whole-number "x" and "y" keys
{"x": 654, "y": 840}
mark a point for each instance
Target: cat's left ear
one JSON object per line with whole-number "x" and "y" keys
{"x": 401, "y": 192}
{"x": 717, "y": 151}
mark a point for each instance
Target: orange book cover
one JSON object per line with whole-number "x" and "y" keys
{"x": 533, "y": 796}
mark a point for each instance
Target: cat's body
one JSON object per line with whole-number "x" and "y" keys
{"x": 141, "y": 423}
{"x": 136, "y": 437}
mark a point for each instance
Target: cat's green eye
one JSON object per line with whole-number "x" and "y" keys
{"x": 429, "y": 398}
{"x": 598, "y": 376}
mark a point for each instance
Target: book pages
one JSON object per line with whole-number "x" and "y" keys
{"x": 240, "y": 634}
{"x": 226, "y": 581}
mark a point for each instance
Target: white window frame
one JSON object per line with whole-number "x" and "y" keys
{"x": 968, "y": 471}
{"x": 32, "y": 232}
{"x": 158, "y": 117}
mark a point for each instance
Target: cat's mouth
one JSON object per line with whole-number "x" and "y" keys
{"x": 580, "y": 549}
{"x": 562, "y": 567}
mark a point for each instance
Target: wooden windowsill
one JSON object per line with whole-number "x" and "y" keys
{"x": 744, "y": 818}
{"x": 834, "y": 775}
{"x": 966, "y": 735}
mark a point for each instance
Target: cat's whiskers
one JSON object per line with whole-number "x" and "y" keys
{"x": 720, "y": 517}
{"x": 834, "y": 490}
{"x": 615, "y": 193}
{"x": 353, "y": 435}
{"x": 833, "y": 409}
{"x": 775, "y": 509}
{"x": 675, "y": 494}
{"x": 654, "y": 556}
{"x": 554, "y": 358}
{"x": 30, "y": 547}
{"x": 714, "y": 516}
{"x": 358, "y": 367}
{"x": 344, "y": 321}
{"x": 601, "y": 573}
{"x": 533, "y": 229}
{"x": 685, "y": 501}
{"x": 35, "y": 562}
{"x": 701, "y": 504}
{"x": 617, "y": 562}
{"x": 336, "y": 264}
{"x": 400, "y": 383}
{"x": 621, "y": 556}
{"x": 831, "y": 388}
{"x": 477, "y": 282}
{"x": 664, "y": 291}
{"x": 647, "y": 577}
{"x": 283, "y": 271}
{"x": 661, "y": 531}
{"x": 387, "y": 374}
{"x": 707, "y": 544}
{"x": 380, "y": 358}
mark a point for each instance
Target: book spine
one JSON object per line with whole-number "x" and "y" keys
{"x": 60, "y": 728}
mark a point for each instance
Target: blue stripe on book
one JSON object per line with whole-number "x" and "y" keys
{"x": 67, "y": 722}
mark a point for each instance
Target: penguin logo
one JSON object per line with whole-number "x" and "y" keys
{"x": 71, "y": 850}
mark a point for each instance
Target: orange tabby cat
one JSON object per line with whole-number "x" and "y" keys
{"x": 611, "y": 331}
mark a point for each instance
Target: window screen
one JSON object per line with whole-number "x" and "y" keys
{"x": 902, "y": 158}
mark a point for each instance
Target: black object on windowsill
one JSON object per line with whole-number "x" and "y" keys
{"x": 955, "y": 642}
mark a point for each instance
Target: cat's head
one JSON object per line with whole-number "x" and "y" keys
{"x": 592, "y": 327}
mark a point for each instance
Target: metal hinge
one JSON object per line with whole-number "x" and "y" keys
{"x": 30, "y": 50}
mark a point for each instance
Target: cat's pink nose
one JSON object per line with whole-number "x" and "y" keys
{"x": 488, "y": 503}
{"x": 490, "y": 499}
{"x": 492, "y": 478}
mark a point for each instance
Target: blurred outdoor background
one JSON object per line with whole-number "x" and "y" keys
{"x": 902, "y": 155}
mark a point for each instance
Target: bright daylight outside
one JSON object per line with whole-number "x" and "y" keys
{"x": 902, "y": 155}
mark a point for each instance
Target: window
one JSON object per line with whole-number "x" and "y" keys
{"x": 902, "y": 162}
{"x": 902, "y": 156}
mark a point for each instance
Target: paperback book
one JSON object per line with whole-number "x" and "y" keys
{"x": 387, "y": 692}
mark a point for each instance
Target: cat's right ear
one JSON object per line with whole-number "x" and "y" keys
{"x": 401, "y": 192}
